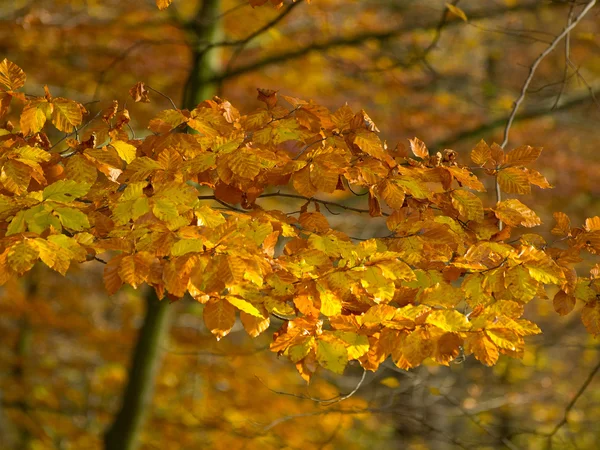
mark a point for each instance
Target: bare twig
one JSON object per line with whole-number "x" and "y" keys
{"x": 535, "y": 65}
{"x": 476, "y": 421}
{"x": 578, "y": 394}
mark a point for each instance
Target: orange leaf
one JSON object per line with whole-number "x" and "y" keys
{"x": 514, "y": 181}
{"x": 481, "y": 153}
{"x": 590, "y": 316}
{"x": 219, "y": 317}
{"x": 112, "y": 280}
{"x": 138, "y": 92}
{"x": 523, "y": 155}
{"x": 563, "y": 224}
{"x": 482, "y": 347}
{"x": 563, "y": 303}
{"x": 163, "y": 4}
{"x": 254, "y": 325}
{"x": 418, "y": 148}
{"x": 135, "y": 269}
{"x": 314, "y": 221}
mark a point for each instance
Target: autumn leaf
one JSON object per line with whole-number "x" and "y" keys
{"x": 456, "y": 11}
{"x": 332, "y": 356}
{"x": 481, "y": 153}
{"x": 418, "y": 148}
{"x": 513, "y": 180}
{"x": 138, "y": 92}
{"x": 468, "y": 205}
{"x": 12, "y": 76}
{"x": 563, "y": 303}
{"x": 66, "y": 114}
{"x": 163, "y": 4}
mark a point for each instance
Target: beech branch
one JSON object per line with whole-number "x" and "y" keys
{"x": 360, "y": 38}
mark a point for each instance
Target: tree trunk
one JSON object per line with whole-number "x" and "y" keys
{"x": 124, "y": 433}
{"x": 206, "y": 58}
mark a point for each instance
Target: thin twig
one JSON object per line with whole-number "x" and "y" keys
{"x": 478, "y": 422}
{"x": 535, "y": 65}
{"x": 579, "y": 393}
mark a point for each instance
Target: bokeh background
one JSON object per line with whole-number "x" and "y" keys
{"x": 418, "y": 69}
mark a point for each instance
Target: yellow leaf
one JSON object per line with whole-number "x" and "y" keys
{"x": 468, "y": 205}
{"x": 53, "y": 255}
{"x": 332, "y": 356}
{"x": 331, "y": 305}
{"x": 65, "y": 191}
{"x": 34, "y": 117}
{"x": 513, "y": 180}
{"x": 504, "y": 338}
{"x": 126, "y": 151}
{"x": 254, "y": 325}
{"x": 456, "y": 11}
{"x": 22, "y": 256}
{"x": 324, "y": 177}
{"x": 481, "y": 153}
{"x": 514, "y": 213}
{"x": 592, "y": 223}
{"x": 244, "y": 306}
{"x": 11, "y": 75}
{"x": 391, "y": 382}
{"x": 244, "y": 164}
{"x": 81, "y": 170}
{"x": 410, "y": 350}
{"x": 392, "y": 194}
{"x": 448, "y": 320}
{"x": 369, "y": 142}
{"x": 482, "y": 347}
{"x": 15, "y": 176}
{"x": 219, "y": 317}
{"x": 66, "y": 114}
{"x": 135, "y": 269}
{"x": 358, "y": 344}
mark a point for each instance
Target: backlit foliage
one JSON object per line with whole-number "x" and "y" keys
{"x": 185, "y": 211}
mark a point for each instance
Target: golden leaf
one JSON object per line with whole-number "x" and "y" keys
{"x": 135, "y": 269}
{"x": 456, "y": 11}
{"x": 126, "y": 151}
{"x": 522, "y": 155}
{"x": 482, "y": 347}
{"x": 163, "y": 4}
{"x": 80, "y": 170}
{"x": 11, "y": 75}
{"x": 66, "y": 114}
{"x": 219, "y": 317}
{"x": 513, "y": 180}
{"x": 392, "y": 194}
{"x": 244, "y": 305}
{"x": 481, "y": 153}
{"x": 254, "y": 325}
{"x": 332, "y": 356}
{"x": 34, "y": 117}
{"x": 112, "y": 280}
{"x": 468, "y": 205}
{"x": 563, "y": 224}
{"x": 22, "y": 256}
{"x": 314, "y": 221}
{"x": 167, "y": 120}
{"x": 514, "y": 213}
{"x": 592, "y": 223}
{"x": 448, "y": 320}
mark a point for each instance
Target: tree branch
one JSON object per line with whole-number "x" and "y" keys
{"x": 362, "y": 37}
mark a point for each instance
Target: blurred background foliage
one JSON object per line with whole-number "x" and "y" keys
{"x": 418, "y": 70}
